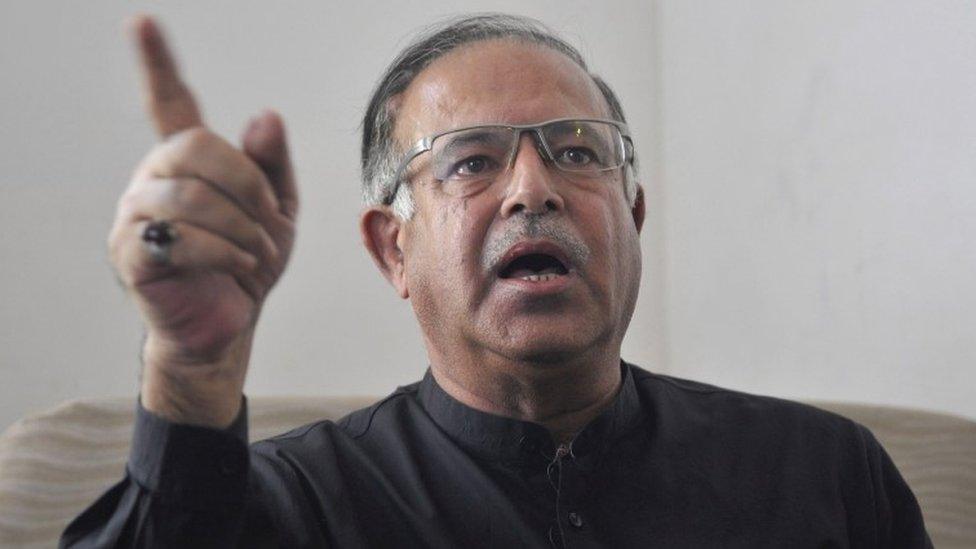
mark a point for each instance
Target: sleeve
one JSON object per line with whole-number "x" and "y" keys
{"x": 898, "y": 515}
{"x": 185, "y": 486}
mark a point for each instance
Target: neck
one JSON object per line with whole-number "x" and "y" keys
{"x": 561, "y": 397}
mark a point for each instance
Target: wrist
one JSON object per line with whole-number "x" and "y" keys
{"x": 192, "y": 390}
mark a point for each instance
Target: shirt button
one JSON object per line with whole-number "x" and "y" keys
{"x": 576, "y": 520}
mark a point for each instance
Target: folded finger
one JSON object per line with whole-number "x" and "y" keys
{"x": 196, "y": 202}
{"x": 203, "y": 155}
{"x": 193, "y": 249}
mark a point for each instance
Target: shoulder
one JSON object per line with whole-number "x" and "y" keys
{"x": 347, "y": 429}
{"x": 824, "y": 461}
{"x": 679, "y": 406}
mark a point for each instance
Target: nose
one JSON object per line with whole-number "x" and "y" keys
{"x": 532, "y": 187}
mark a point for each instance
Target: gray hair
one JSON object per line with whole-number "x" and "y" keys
{"x": 381, "y": 155}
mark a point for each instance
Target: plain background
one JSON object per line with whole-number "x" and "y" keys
{"x": 809, "y": 169}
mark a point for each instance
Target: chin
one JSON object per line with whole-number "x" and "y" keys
{"x": 547, "y": 357}
{"x": 547, "y": 343}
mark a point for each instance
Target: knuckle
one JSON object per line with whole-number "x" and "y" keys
{"x": 116, "y": 247}
{"x": 254, "y": 199}
{"x": 256, "y": 233}
{"x": 179, "y": 148}
{"x": 255, "y": 242}
{"x": 127, "y": 201}
{"x": 252, "y": 185}
{"x": 195, "y": 138}
{"x": 112, "y": 245}
{"x": 257, "y": 194}
{"x": 191, "y": 195}
{"x": 147, "y": 165}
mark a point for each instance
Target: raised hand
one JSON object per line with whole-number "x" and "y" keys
{"x": 232, "y": 212}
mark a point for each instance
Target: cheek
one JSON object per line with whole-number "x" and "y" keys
{"x": 450, "y": 233}
{"x": 446, "y": 245}
{"x": 628, "y": 253}
{"x": 612, "y": 236}
{"x": 598, "y": 222}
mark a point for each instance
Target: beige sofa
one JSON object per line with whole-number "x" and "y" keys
{"x": 54, "y": 464}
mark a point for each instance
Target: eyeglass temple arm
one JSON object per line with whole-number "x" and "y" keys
{"x": 421, "y": 146}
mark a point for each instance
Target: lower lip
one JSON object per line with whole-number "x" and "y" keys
{"x": 556, "y": 285}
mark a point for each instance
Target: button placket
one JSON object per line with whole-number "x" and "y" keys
{"x": 572, "y": 482}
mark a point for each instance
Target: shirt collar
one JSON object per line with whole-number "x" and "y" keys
{"x": 492, "y": 436}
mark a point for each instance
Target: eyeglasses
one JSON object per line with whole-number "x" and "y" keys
{"x": 466, "y": 160}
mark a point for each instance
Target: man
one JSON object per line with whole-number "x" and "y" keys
{"x": 501, "y": 193}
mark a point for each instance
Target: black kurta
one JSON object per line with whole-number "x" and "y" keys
{"x": 671, "y": 463}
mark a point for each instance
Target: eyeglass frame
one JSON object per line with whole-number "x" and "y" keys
{"x": 425, "y": 144}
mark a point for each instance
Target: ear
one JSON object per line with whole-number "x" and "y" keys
{"x": 638, "y": 210}
{"x": 380, "y": 229}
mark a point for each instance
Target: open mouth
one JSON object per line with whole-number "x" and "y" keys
{"x": 534, "y": 267}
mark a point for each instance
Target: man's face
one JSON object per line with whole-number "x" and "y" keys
{"x": 456, "y": 248}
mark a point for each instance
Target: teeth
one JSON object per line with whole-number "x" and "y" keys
{"x": 540, "y": 278}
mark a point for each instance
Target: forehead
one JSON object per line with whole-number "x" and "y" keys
{"x": 496, "y": 81}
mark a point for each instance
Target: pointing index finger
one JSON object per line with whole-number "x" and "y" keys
{"x": 169, "y": 102}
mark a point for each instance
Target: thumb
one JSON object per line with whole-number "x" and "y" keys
{"x": 265, "y": 143}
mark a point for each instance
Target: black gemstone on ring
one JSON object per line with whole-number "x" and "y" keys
{"x": 159, "y": 233}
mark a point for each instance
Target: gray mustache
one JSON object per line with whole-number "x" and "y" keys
{"x": 545, "y": 227}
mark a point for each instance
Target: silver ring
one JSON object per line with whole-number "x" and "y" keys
{"x": 159, "y": 237}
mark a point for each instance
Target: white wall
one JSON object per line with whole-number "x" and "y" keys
{"x": 810, "y": 170}
{"x": 72, "y": 130}
{"x": 820, "y": 170}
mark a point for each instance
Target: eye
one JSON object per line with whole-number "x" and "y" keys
{"x": 473, "y": 165}
{"x": 576, "y": 157}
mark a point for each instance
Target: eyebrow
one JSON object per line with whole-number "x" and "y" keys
{"x": 488, "y": 136}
